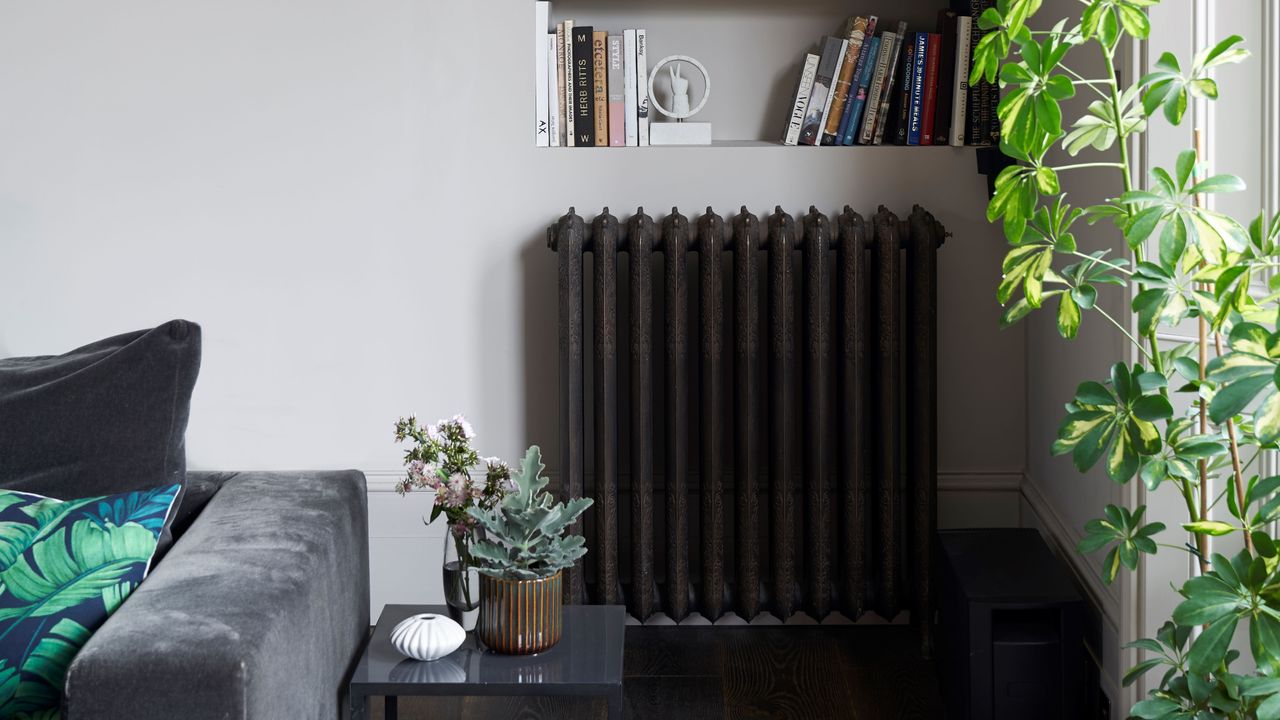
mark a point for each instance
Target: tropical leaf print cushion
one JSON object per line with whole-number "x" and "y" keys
{"x": 65, "y": 565}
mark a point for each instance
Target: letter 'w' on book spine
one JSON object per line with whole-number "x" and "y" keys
{"x": 570, "y": 95}
{"x": 960, "y": 98}
{"x": 856, "y": 33}
{"x": 617, "y": 94}
{"x": 584, "y": 103}
{"x": 600, "y": 85}
{"x": 555, "y": 127}
{"x": 801, "y": 102}
{"x": 541, "y": 21}
{"x": 630, "y": 121}
{"x": 642, "y": 86}
{"x": 866, "y": 129}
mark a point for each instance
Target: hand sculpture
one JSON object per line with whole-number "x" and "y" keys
{"x": 679, "y": 92}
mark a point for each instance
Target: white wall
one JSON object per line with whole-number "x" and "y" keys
{"x": 346, "y": 196}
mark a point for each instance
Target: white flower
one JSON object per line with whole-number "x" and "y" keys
{"x": 467, "y": 431}
{"x": 433, "y": 432}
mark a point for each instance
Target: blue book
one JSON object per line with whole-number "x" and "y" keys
{"x": 915, "y": 121}
{"x": 858, "y": 99}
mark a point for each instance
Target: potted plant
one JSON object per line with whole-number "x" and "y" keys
{"x": 1183, "y": 261}
{"x": 442, "y": 460}
{"x": 521, "y": 559}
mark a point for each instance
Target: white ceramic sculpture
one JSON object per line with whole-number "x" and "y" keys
{"x": 680, "y": 132}
{"x": 427, "y": 636}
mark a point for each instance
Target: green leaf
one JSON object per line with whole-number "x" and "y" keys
{"x": 1155, "y": 708}
{"x": 1068, "y": 316}
{"x": 1208, "y": 649}
{"x": 1209, "y": 527}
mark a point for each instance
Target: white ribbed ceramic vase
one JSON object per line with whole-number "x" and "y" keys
{"x": 427, "y": 636}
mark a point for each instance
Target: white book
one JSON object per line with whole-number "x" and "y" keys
{"x": 803, "y": 89}
{"x": 642, "y": 88}
{"x": 553, "y": 88}
{"x": 960, "y": 93}
{"x": 877, "y": 90}
{"x": 541, "y": 20}
{"x": 630, "y": 102}
{"x": 887, "y": 98}
{"x": 826, "y": 105}
{"x": 568, "y": 82}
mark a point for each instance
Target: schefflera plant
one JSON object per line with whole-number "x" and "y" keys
{"x": 1181, "y": 261}
{"x": 526, "y": 534}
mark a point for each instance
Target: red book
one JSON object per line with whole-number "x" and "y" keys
{"x": 932, "y": 61}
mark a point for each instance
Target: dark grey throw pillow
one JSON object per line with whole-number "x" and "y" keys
{"x": 102, "y": 419}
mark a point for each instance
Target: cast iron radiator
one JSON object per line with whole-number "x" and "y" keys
{"x": 790, "y": 467}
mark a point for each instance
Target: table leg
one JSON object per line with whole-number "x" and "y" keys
{"x": 391, "y": 709}
{"x": 359, "y": 706}
{"x": 615, "y": 703}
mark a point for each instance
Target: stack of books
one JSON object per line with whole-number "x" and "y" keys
{"x": 903, "y": 87}
{"x": 592, "y": 86}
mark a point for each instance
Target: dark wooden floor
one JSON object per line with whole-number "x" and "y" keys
{"x": 810, "y": 673}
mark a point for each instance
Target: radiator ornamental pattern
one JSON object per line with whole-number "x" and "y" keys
{"x": 794, "y": 455}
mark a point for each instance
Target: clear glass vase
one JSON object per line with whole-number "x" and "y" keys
{"x": 461, "y": 581}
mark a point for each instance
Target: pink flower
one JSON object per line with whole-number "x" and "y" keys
{"x": 467, "y": 431}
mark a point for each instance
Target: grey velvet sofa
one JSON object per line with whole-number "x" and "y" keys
{"x": 257, "y": 611}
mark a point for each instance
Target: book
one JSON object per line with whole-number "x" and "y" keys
{"x": 600, "y": 85}
{"x": 855, "y": 32}
{"x": 906, "y": 74}
{"x": 853, "y": 109}
{"x": 815, "y": 116}
{"x": 878, "y": 111}
{"x": 930, "y": 83}
{"x": 617, "y": 94}
{"x": 555, "y": 127}
{"x": 642, "y": 88}
{"x": 942, "y": 109}
{"x": 960, "y": 92}
{"x": 570, "y": 102}
{"x": 542, "y": 92}
{"x": 975, "y": 91}
{"x": 858, "y": 103}
{"x": 631, "y": 127}
{"x": 919, "y": 59}
{"x": 584, "y": 103}
{"x": 803, "y": 89}
{"x": 879, "y": 76}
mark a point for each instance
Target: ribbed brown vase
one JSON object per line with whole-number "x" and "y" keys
{"x": 519, "y": 617}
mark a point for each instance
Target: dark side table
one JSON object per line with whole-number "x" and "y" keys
{"x": 586, "y": 662}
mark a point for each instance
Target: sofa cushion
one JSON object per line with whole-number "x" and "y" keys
{"x": 64, "y": 567}
{"x": 101, "y": 419}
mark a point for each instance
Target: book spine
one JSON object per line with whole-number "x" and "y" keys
{"x": 920, "y": 58}
{"x": 584, "y": 103}
{"x": 903, "y": 114}
{"x": 993, "y": 114}
{"x": 864, "y": 82}
{"x": 630, "y": 121}
{"x": 803, "y": 89}
{"x": 642, "y": 87}
{"x": 856, "y": 35}
{"x": 541, "y": 19}
{"x": 617, "y": 93}
{"x": 960, "y": 98}
{"x": 841, "y": 51}
{"x": 866, "y": 129}
{"x": 570, "y": 94}
{"x": 929, "y": 105}
{"x": 886, "y": 98}
{"x": 859, "y": 91}
{"x": 973, "y": 136}
{"x": 555, "y": 128}
{"x": 946, "y": 78}
{"x": 600, "y": 85}
{"x": 815, "y": 116}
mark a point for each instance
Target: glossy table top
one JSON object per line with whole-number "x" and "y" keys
{"x": 589, "y": 654}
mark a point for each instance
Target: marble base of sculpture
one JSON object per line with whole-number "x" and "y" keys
{"x": 673, "y": 133}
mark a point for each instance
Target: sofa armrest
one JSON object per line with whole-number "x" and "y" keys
{"x": 256, "y": 612}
